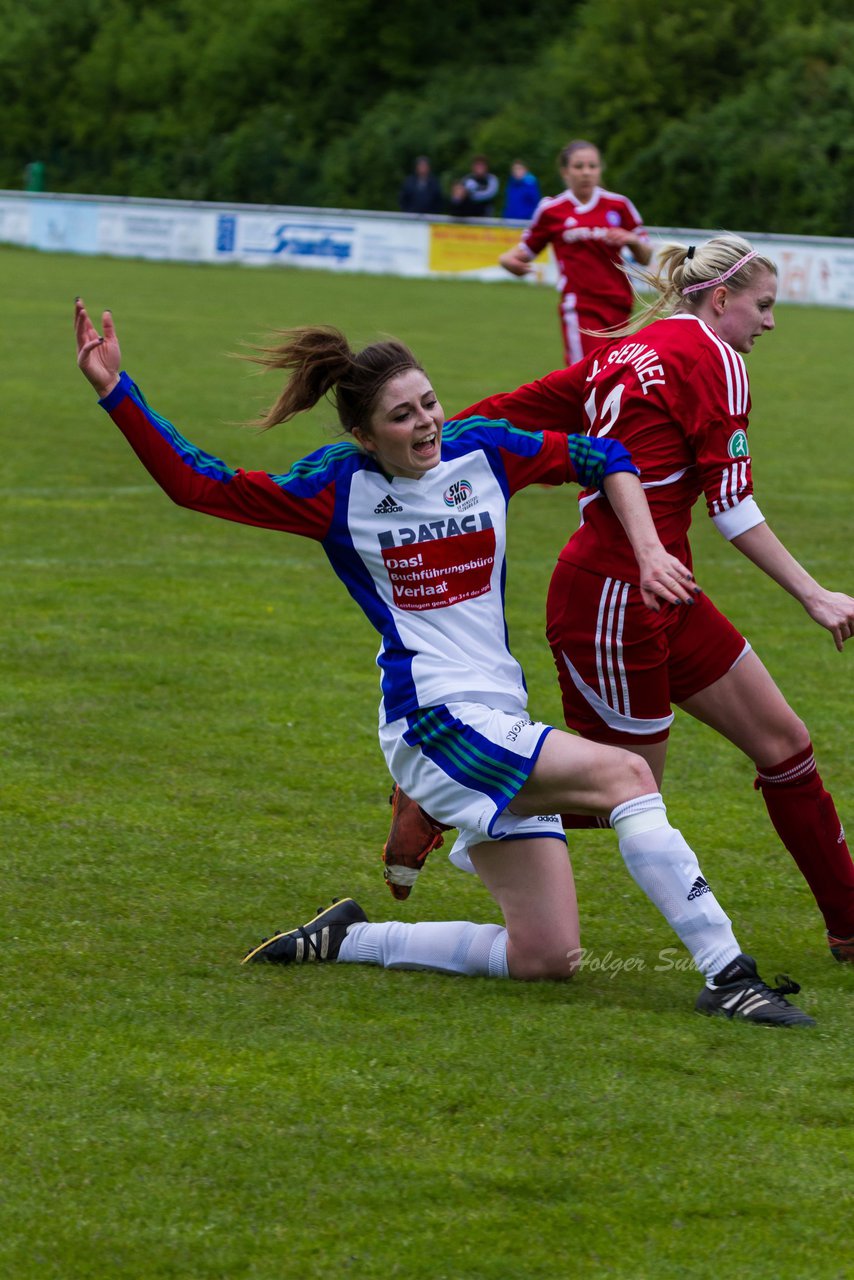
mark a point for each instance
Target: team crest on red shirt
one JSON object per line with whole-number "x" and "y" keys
{"x": 737, "y": 446}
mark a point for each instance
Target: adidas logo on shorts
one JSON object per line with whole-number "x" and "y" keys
{"x": 698, "y": 888}
{"x": 388, "y": 507}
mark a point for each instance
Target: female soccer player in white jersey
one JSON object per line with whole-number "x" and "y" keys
{"x": 675, "y": 392}
{"x": 588, "y": 228}
{"x": 411, "y": 513}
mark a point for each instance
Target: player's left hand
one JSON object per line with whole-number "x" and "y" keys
{"x": 835, "y": 611}
{"x": 619, "y": 236}
{"x": 664, "y": 578}
{"x": 99, "y": 358}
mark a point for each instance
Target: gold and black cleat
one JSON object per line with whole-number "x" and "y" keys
{"x": 318, "y": 940}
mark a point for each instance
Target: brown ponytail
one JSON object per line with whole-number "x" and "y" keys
{"x": 321, "y": 361}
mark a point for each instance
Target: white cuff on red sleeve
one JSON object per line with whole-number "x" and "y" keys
{"x": 738, "y": 519}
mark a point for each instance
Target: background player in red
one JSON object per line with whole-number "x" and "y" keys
{"x": 676, "y": 393}
{"x": 588, "y": 228}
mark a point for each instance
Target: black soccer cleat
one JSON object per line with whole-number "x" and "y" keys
{"x": 318, "y": 940}
{"x": 739, "y": 992}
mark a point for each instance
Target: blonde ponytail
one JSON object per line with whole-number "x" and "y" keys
{"x": 682, "y": 276}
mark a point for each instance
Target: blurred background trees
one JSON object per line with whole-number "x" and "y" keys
{"x": 710, "y": 113}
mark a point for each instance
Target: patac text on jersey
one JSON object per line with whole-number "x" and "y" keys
{"x": 434, "y": 529}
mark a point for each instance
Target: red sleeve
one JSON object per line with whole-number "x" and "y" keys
{"x": 538, "y": 235}
{"x": 201, "y": 482}
{"x": 551, "y": 464}
{"x": 714, "y": 415}
{"x": 632, "y": 220}
{"x": 553, "y": 403}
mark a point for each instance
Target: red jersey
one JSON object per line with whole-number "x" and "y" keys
{"x": 677, "y": 396}
{"x": 587, "y": 265}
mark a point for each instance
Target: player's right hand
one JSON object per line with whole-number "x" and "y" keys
{"x": 99, "y": 358}
{"x": 665, "y": 578}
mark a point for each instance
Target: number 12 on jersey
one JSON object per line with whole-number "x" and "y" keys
{"x": 606, "y": 416}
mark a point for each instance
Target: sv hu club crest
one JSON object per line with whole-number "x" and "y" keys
{"x": 458, "y": 493}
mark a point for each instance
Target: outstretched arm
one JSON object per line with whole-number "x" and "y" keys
{"x": 662, "y": 576}
{"x": 831, "y": 609}
{"x": 99, "y": 359}
{"x": 189, "y": 475}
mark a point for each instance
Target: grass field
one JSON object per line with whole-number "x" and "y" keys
{"x": 189, "y": 760}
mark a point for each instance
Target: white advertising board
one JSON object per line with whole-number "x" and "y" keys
{"x": 811, "y": 269}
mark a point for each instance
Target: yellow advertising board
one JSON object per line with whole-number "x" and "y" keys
{"x": 464, "y": 247}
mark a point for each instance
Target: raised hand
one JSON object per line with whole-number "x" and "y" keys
{"x": 99, "y": 358}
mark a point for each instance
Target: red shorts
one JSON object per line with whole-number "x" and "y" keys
{"x": 577, "y": 314}
{"x": 621, "y": 666}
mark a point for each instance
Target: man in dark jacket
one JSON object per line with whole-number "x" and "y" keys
{"x": 421, "y": 192}
{"x": 482, "y": 186}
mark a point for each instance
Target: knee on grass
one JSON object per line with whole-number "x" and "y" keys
{"x": 557, "y": 962}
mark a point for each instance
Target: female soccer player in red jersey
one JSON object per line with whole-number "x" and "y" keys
{"x": 588, "y": 229}
{"x": 675, "y": 392}
{"x": 411, "y": 513}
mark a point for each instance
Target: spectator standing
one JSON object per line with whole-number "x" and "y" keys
{"x": 523, "y": 192}
{"x": 482, "y": 187}
{"x": 460, "y": 203}
{"x": 421, "y": 192}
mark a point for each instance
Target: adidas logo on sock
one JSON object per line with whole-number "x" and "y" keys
{"x": 388, "y": 507}
{"x": 699, "y": 887}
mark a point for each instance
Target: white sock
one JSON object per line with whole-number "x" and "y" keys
{"x": 666, "y": 869}
{"x": 448, "y": 946}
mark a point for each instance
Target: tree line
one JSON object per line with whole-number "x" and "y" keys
{"x": 709, "y": 113}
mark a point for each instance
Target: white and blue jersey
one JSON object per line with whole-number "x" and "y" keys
{"x": 425, "y": 559}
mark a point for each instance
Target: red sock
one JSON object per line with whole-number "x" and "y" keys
{"x": 805, "y": 819}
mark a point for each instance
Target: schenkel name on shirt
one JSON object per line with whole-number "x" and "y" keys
{"x": 644, "y": 360}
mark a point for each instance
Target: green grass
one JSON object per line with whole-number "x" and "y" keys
{"x": 189, "y": 760}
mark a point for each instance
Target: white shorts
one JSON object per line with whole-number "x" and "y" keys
{"x": 465, "y": 763}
